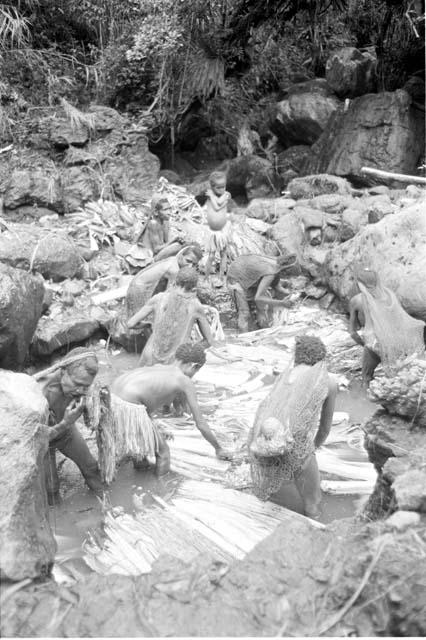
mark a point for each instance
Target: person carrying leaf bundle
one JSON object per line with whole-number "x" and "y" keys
{"x": 291, "y": 423}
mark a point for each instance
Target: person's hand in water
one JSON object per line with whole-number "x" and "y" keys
{"x": 223, "y": 455}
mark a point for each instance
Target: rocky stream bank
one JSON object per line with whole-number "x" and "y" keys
{"x": 73, "y": 200}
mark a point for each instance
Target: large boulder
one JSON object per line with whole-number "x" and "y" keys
{"x": 67, "y": 326}
{"x": 351, "y": 73}
{"x": 250, "y": 176}
{"x": 62, "y": 133}
{"x": 53, "y": 253}
{"x": 21, "y": 300}
{"x": 269, "y": 209}
{"x": 27, "y": 545}
{"x": 290, "y": 162}
{"x": 289, "y": 234}
{"x": 105, "y": 119}
{"x": 78, "y": 186}
{"x": 39, "y": 186}
{"x": 381, "y": 131}
{"x": 302, "y": 116}
{"x": 134, "y": 171}
{"x": 395, "y": 247}
{"x": 310, "y": 186}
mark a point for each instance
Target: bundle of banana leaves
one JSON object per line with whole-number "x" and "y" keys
{"x": 184, "y": 203}
{"x": 104, "y": 219}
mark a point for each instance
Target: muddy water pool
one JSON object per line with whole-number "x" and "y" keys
{"x": 81, "y": 511}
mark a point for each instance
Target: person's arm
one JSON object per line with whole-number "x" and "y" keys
{"x": 354, "y": 323}
{"x": 166, "y": 232}
{"x": 261, "y": 298}
{"x": 71, "y": 414}
{"x": 280, "y": 290}
{"x": 327, "y": 411}
{"x": 142, "y": 313}
{"x": 202, "y": 426}
{"x": 204, "y": 326}
{"x": 217, "y": 202}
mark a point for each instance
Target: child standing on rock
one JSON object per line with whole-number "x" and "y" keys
{"x": 218, "y": 220}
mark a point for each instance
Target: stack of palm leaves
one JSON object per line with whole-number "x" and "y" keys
{"x": 104, "y": 219}
{"x": 202, "y": 518}
{"x": 184, "y": 203}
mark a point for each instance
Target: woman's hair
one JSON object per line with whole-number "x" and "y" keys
{"x": 191, "y": 353}
{"x": 309, "y": 350}
{"x": 90, "y": 363}
{"x": 187, "y": 278}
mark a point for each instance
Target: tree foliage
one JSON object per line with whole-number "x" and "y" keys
{"x": 160, "y": 57}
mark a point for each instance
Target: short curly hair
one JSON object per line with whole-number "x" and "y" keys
{"x": 187, "y": 278}
{"x": 309, "y": 350}
{"x": 191, "y": 353}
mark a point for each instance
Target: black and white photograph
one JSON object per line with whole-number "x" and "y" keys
{"x": 212, "y": 319}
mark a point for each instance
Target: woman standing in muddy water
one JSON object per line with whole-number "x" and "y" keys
{"x": 64, "y": 385}
{"x": 291, "y": 423}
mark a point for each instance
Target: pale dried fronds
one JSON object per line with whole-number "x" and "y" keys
{"x": 14, "y": 29}
{"x": 77, "y": 118}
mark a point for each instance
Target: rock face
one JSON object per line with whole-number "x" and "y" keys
{"x": 67, "y": 326}
{"x": 351, "y": 73}
{"x": 40, "y": 186}
{"x": 53, "y": 254}
{"x": 401, "y": 392}
{"x": 380, "y": 131}
{"x": 134, "y": 172}
{"x": 290, "y": 162}
{"x": 288, "y": 233}
{"x": 303, "y": 115}
{"x": 395, "y": 448}
{"x": 269, "y": 209}
{"x": 107, "y": 156}
{"x": 395, "y": 247}
{"x": 250, "y": 176}
{"x": 317, "y": 185}
{"x": 21, "y": 301}
{"x": 27, "y": 546}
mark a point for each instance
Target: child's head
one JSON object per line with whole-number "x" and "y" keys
{"x": 160, "y": 207}
{"x": 217, "y": 181}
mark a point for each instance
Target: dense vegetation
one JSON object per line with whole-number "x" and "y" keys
{"x": 161, "y": 59}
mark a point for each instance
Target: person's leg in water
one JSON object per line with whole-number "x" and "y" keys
{"x": 209, "y": 263}
{"x": 74, "y": 447}
{"x": 242, "y": 305}
{"x": 162, "y": 457}
{"x": 51, "y": 477}
{"x": 141, "y": 465}
{"x": 308, "y": 485}
{"x": 223, "y": 262}
{"x": 370, "y": 361}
